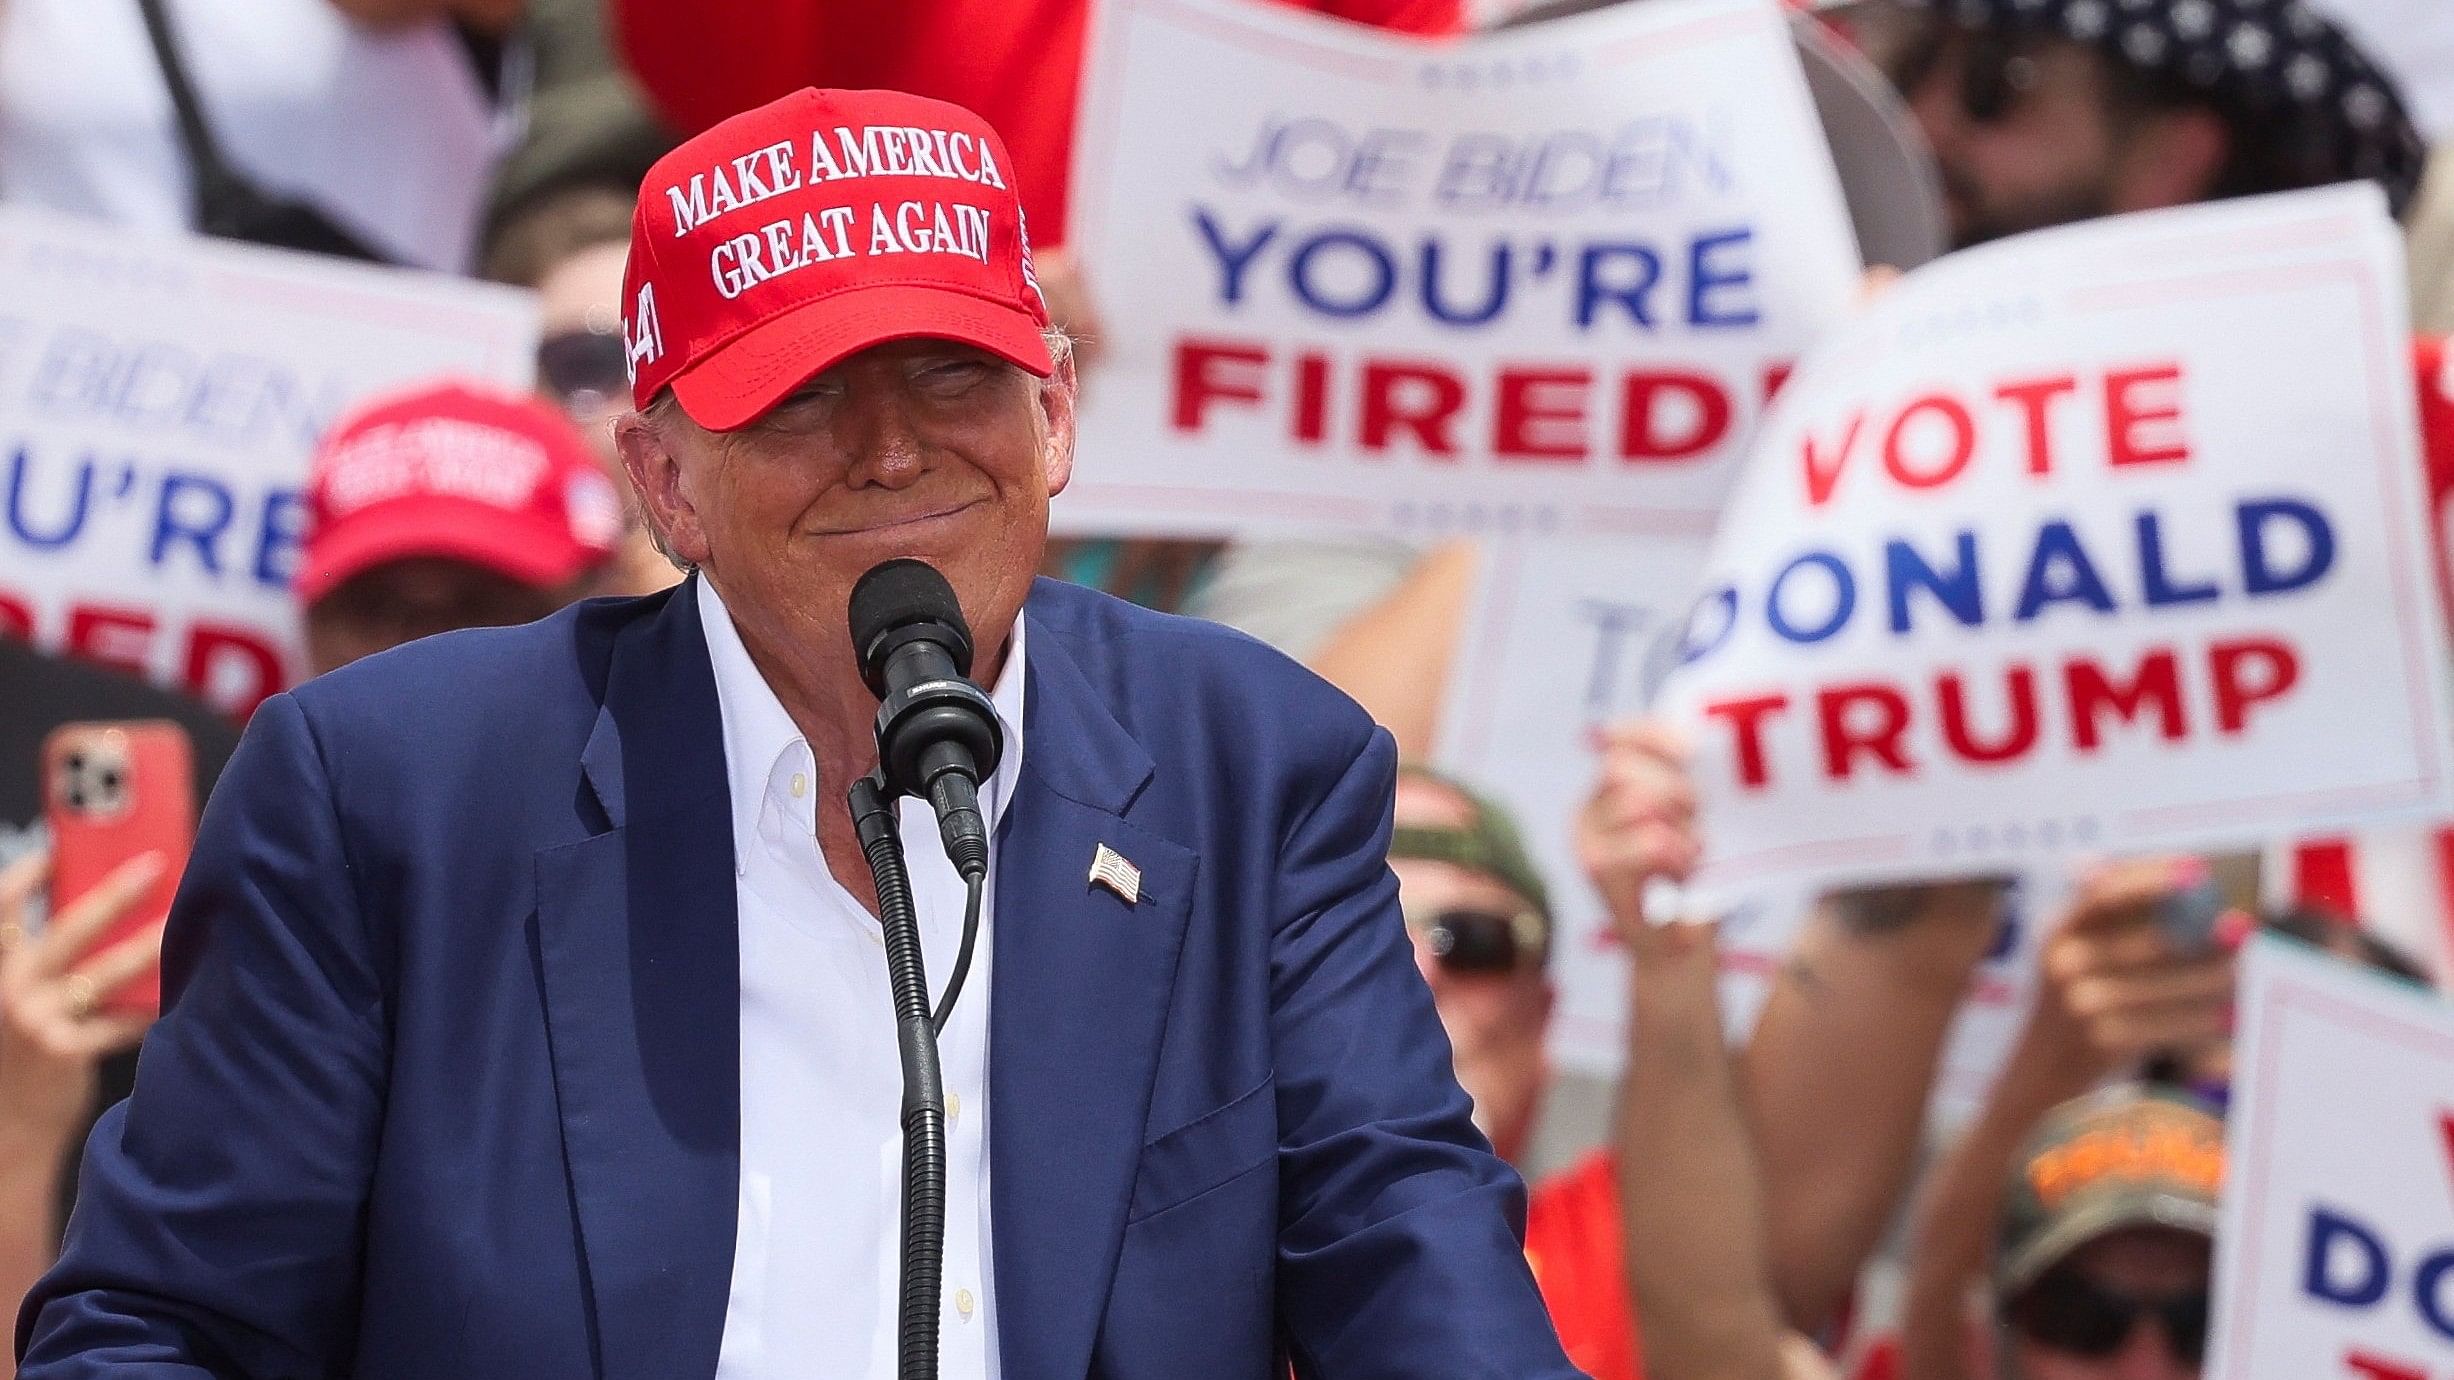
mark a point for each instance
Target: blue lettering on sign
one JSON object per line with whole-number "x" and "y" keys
{"x": 1844, "y": 598}
{"x": 2258, "y": 570}
{"x": 64, "y": 528}
{"x": 2356, "y": 1280}
{"x": 2161, "y": 588}
{"x": 1232, "y": 259}
{"x": 1708, "y": 279}
{"x": 1956, "y": 590}
{"x": 284, "y": 527}
{"x": 1379, "y": 267}
{"x": 2060, "y": 572}
{"x": 1495, "y": 291}
{"x": 1341, "y": 272}
{"x": 195, "y": 511}
{"x": 1620, "y": 273}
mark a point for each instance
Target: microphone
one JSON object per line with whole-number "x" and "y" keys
{"x": 937, "y": 731}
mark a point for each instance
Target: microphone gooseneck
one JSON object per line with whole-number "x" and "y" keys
{"x": 924, "y": 1086}
{"x": 937, "y": 737}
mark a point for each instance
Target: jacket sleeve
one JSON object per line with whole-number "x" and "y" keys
{"x": 1401, "y": 1235}
{"x": 218, "y": 1221}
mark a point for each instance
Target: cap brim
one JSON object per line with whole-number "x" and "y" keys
{"x": 755, "y": 370}
{"x": 2111, "y": 1213}
{"x": 510, "y": 544}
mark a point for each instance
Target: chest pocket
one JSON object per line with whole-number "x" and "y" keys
{"x": 1199, "y": 1156}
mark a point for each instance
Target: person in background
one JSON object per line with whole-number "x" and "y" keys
{"x": 568, "y": 246}
{"x": 2046, "y": 112}
{"x": 1480, "y": 919}
{"x": 366, "y": 129}
{"x": 1718, "y": 1249}
{"x": 2105, "y": 1242}
{"x": 448, "y": 507}
{"x": 2121, "y": 997}
{"x": 62, "y": 1062}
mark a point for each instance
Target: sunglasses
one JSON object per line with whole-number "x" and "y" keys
{"x": 1998, "y": 70}
{"x": 1467, "y": 940}
{"x": 2066, "y": 1312}
{"x": 584, "y": 369}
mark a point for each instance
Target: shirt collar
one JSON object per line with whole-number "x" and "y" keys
{"x": 758, "y": 731}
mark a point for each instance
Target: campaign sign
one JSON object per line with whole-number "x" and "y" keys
{"x": 1567, "y": 635}
{"x": 2335, "y": 1254}
{"x": 159, "y": 396}
{"x": 1540, "y": 280}
{"x": 2108, "y": 537}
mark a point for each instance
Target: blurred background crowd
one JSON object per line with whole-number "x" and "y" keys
{"x": 1774, "y": 1202}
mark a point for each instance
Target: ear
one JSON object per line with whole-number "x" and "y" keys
{"x": 2172, "y": 158}
{"x": 1057, "y": 411}
{"x": 656, "y": 476}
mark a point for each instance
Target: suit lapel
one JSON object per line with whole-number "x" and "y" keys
{"x": 639, "y": 959}
{"x": 1082, "y": 984}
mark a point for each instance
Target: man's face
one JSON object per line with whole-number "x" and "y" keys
{"x": 401, "y": 601}
{"x": 2147, "y": 1264}
{"x": 1495, "y": 1021}
{"x": 2027, "y": 133}
{"x": 922, "y": 448}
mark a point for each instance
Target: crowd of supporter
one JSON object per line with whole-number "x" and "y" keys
{"x": 1724, "y": 1225}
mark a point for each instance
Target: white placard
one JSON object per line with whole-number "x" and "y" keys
{"x": 1539, "y": 280}
{"x": 1571, "y": 635}
{"x": 159, "y": 396}
{"x": 1566, "y": 636}
{"x": 2335, "y": 1254}
{"x": 2108, "y": 537}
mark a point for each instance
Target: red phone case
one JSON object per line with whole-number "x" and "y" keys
{"x": 112, "y": 791}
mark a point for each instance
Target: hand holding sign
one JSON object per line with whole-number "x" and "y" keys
{"x": 1639, "y": 826}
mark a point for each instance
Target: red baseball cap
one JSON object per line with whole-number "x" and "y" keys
{"x": 498, "y": 480}
{"x": 818, "y": 225}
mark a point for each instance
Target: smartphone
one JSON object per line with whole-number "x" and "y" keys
{"x": 114, "y": 791}
{"x": 2189, "y": 916}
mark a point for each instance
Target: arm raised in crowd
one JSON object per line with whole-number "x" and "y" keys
{"x": 53, "y": 1041}
{"x": 2114, "y": 990}
{"x": 1688, "y": 1190}
{"x": 1837, "y": 1075}
{"x": 218, "y": 1231}
{"x": 1394, "y": 657}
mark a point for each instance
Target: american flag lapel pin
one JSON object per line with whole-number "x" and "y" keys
{"x": 1110, "y": 869}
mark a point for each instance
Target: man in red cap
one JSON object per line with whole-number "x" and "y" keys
{"x": 446, "y": 507}
{"x": 527, "y": 1008}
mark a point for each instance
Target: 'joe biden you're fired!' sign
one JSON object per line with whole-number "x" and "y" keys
{"x": 1535, "y": 281}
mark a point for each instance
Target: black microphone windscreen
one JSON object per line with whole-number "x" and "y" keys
{"x": 897, "y": 593}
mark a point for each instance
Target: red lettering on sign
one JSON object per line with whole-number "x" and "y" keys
{"x": 1423, "y": 399}
{"x": 1214, "y": 370}
{"x": 1745, "y": 718}
{"x": 2143, "y": 416}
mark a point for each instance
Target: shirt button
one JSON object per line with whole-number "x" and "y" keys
{"x": 800, "y": 785}
{"x": 962, "y": 1303}
{"x": 954, "y": 1106}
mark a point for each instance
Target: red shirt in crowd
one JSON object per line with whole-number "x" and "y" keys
{"x": 1572, "y": 1241}
{"x": 1016, "y": 63}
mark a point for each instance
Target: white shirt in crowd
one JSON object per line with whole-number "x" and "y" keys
{"x": 389, "y": 132}
{"x": 817, "y": 1254}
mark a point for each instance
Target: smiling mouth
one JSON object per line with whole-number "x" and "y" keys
{"x": 901, "y": 523}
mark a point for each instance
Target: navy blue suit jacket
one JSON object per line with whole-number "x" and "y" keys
{"x": 449, "y": 1080}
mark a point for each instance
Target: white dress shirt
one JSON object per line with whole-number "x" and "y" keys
{"x": 817, "y": 1248}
